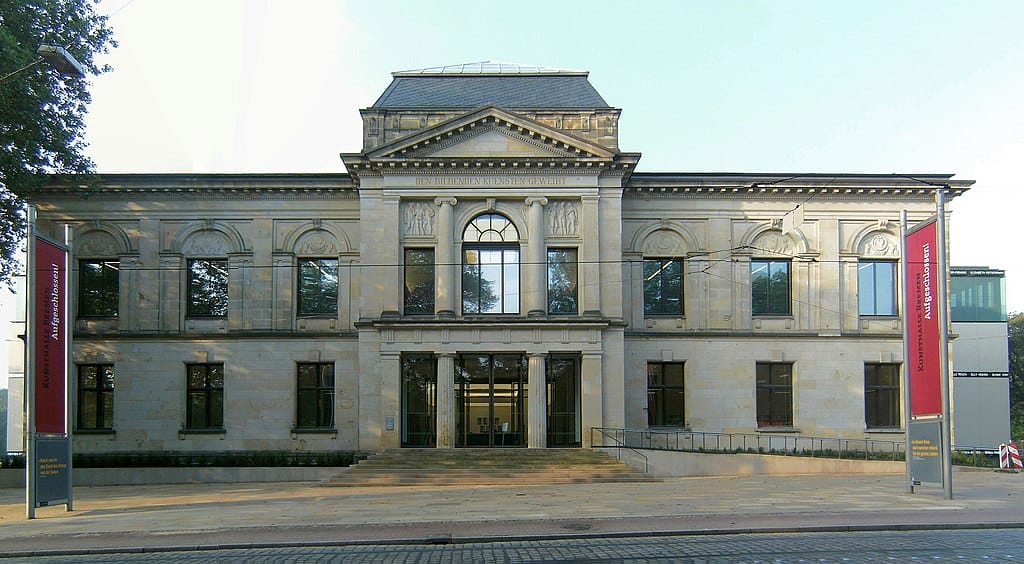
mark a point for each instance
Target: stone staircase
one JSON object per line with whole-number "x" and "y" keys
{"x": 486, "y": 467}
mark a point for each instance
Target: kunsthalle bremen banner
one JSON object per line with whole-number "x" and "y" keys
{"x": 922, "y": 305}
{"x": 51, "y": 263}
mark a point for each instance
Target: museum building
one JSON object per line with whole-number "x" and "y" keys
{"x": 491, "y": 271}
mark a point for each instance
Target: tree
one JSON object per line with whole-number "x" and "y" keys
{"x": 41, "y": 112}
{"x": 1016, "y": 326}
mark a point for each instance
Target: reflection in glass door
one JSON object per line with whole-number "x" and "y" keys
{"x": 563, "y": 391}
{"x": 490, "y": 395}
{"x": 419, "y": 401}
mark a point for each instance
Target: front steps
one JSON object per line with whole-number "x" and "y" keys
{"x": 486, "y": 467}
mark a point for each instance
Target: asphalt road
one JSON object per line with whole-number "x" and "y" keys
{"x": 977, "y": 545}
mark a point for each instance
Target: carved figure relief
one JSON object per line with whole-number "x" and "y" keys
{"x": 879, "y": 245}
{"x": 316, "y": 243}
{"x": 206, "y": 244}
{"x": 563, "y": 219}
{"x": 97, "y": 244}
{"x": 419, "y": 219}
{"x": 664, "y": 243}
{"x": 774, "y": 243}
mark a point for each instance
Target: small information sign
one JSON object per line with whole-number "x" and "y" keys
{"x": 53, "y": 471}
{"x": 926, "y": 451}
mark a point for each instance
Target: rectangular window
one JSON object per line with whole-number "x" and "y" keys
{"x": 419, "y": 281}
{"x": 97, "y": 288}
{"x": 95, "y": 397}
{"x": 882, "y": 396}
{"x": 663, "y": 286}
{"x": 490, "y": 280}
{"x": 204, "y": 396}
{"x": 318, "y": 287}
{"x": 876, "y": 287}
{"x": 207, "y": 288}
{"x": 665, "y": 398}
{"x": 563, "y": 273}
{"x": 769, "y": 286}
{"x": 774, "y": 394}
{"x": 315, "y": 406}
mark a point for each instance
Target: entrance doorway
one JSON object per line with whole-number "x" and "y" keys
{"x": 490, "y": 399}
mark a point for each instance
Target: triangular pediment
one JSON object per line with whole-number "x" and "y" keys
{"x": 490, "y": 132}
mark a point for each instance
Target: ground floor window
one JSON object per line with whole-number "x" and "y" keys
{"x": 204, "y": 396}
{"x": 419, "y": 401}
{"x": 774, "y": 394}
{"x": 882, "y": 396}
{"x": 665, "y": 397}
{"x": 95, "y": 397}
{"x": 563, "y": 394}
{"x": 315, "y": 405}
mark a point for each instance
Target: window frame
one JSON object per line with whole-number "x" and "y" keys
{"x": 320, "y": 289}
{"x": 774, "y": 389}
{"x": 492, "y": 232}
{"x": 191, "y": 304}
{"x": 84, "y": 289}
{"x": 895, "y": 410}
{"x": 771, "y": 309}
{"x": 324, "y": 396}
{"x": 649, "y": 308}
{"x": 572, "y": 271}
{"x": 97, "y": 396}
{"x": 208, "y": 392}
{"x": 893, "y": 287}
{"x": 656, "y": 390}
{"x": 429, "y": 269}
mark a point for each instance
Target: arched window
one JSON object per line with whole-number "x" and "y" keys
{"x": 490, "y": 265}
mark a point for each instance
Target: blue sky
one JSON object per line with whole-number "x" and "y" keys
{"x": 744, "y": 86}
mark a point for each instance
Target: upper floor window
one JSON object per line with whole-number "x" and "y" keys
{"x": 563, "y": 282}
{"x": 97, "y": 288}
{"x": 876, "y": 287}
{"x": 318, "y": 287}
{"x": 419, "y": 281}
{"x": 769, "y": 287}
{"x": 490, "y": 265}
{"x": 663, "y": 286}
{"x": 207, "y": 288}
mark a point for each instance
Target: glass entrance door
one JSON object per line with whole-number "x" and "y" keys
{"x": 563, "y": 387}
{"x": 490, "y": 395}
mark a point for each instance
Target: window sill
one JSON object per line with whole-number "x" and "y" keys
{"x": 94, "y": 432}
{"x": 884, "y": 430}
{"x": 205, "y": 317}
{"x": 317, "y": 316}
{"x": 772, "y": 316}
{"x": 779, "y": 429}
{"x": 315, "y": 431}
{"x": 216, "y": 431}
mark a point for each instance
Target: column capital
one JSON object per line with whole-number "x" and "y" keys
{"x": 441, "y": 200}
{"x": 530, "y": 200}
{"x": 446, "y": 354}
{"x": 536, "y": 354}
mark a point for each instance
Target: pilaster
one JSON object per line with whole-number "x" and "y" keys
{"x": 444, "y": 277}
{"x": 536, "y": 260}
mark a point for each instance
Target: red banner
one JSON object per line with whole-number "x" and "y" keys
{"x": 50, "y": 328}
{"x": 922, "y": 317}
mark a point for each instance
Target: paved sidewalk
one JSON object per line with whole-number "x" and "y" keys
{"x": 228, "y": 515}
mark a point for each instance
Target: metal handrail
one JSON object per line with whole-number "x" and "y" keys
{"x": 618, "y": 444}
{"x": 756, "y": 443}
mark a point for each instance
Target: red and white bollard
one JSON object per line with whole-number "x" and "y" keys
{"x": 1009, "y": 457}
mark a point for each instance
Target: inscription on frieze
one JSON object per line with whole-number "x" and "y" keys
{"x": 457, "y": 181}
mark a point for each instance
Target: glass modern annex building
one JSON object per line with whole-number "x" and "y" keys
{"x": 490, "y": 270}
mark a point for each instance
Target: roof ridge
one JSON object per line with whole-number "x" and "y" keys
{"x": 490, "y": 68}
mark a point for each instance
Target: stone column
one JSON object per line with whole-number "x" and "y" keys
{"x": 536, "y": 381}
{"x": 536, "y": 259}
{"x": 444, "y": 273}
{"x": 591, "y": 396}
{"x": 446, "y": 400}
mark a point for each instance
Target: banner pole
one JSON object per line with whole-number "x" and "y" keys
{"x": 30, "y": 364}
{"x": 905, "y": 372}
{"x": 947, "y": 438}
{"x": 69, "y": 308}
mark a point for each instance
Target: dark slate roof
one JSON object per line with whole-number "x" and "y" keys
{"x": 505, "y": 90}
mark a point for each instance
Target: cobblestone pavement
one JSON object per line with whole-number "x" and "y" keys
{"x": 281, "y": 514}
{"x": 838, "y": 547}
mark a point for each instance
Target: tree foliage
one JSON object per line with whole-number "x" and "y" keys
{"x": 41, "y": 112}
{"x": 1016, "y": 326}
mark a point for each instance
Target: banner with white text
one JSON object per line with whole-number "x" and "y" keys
{"x": 49, "y": 326}
{"x": 922, "y": 305}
